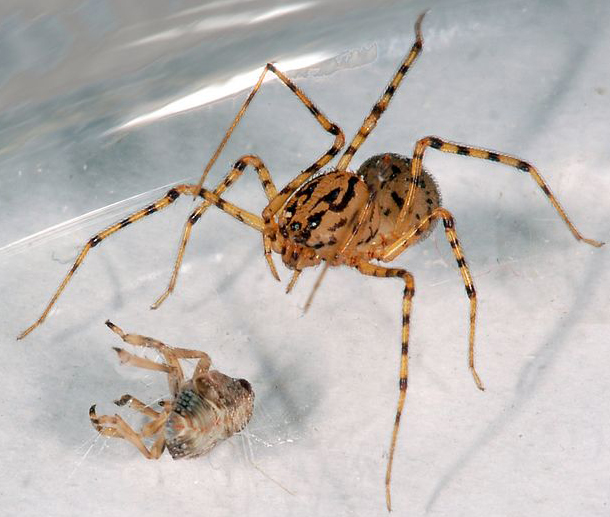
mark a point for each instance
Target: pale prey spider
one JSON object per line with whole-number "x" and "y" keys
{"x": 342, "y": 217}
{"x": 208, "y": 408}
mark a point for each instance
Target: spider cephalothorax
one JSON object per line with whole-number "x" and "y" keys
{"x": 341, "y": 217}
{"x": 321, "y": 213}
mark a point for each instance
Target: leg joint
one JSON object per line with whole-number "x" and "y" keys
{"x": 470, "y": 291}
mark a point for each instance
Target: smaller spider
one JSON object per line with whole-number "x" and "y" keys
{"x": 204, "y": 410}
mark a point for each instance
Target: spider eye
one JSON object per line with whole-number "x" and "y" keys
{"x": 314, "y": 220}
{"x": 295, "y": 227}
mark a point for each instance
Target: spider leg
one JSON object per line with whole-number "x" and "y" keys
{"x": 324, "y": 122}
{"x": 270, "y": 231}
{"x": 371, "y": 120}
{"x": 241, "y": 215}
{"x": 272, "y": 208}
{"x": 116, "y": 427}
{"x": 160, "y": 204}
{"x": 392, "y": 250}
{"x": 269, "y": 235}
{"x": 235, "y": 173}
{"x": 195, "y": 190}
{"x": 477, "y": 152}
{"x": 369, "y": 269}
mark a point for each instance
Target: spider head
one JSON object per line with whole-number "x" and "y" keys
{"x": 316, "y": 217}
{"x": 296, "y": 256}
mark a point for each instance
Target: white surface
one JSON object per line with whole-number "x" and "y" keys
{"x": 526, "y": 77}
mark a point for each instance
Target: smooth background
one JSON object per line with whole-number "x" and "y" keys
{"x": 530, "y": 78}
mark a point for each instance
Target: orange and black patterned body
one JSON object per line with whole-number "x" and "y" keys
{"x": 323, "y": 212}
{"x": 389, "y": 175}
{"x": 324, "y": 218}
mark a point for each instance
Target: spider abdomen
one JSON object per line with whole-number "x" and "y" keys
{"x": 389, "y": 174}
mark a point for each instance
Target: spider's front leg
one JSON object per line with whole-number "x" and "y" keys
{"x": 382, "y": 104}
{"x": 233, "y": 175}
{"x": 171, "y": 196}
{"x": 369, "y": 269}
{"x": 275, "y": 201}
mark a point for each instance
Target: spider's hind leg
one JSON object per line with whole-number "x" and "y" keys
{"x": 477, "y": 152}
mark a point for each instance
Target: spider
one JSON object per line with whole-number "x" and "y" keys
{"x": 341, "y": 217}
{"x": 204, "y": 410}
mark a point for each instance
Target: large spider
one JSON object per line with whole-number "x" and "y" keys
{"x": 342, "y": 217}
{"x": 202, "y": 411}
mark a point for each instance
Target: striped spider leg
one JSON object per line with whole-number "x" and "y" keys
{"x": 196, "y": 190}
{"x": 409, "y": 202}
{"x": 270, "y": 190}
{"x": 201, "y": 412}
{"x": 435, "y": 142}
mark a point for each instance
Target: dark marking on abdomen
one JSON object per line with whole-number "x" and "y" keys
{"x": 397, "y": 199}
